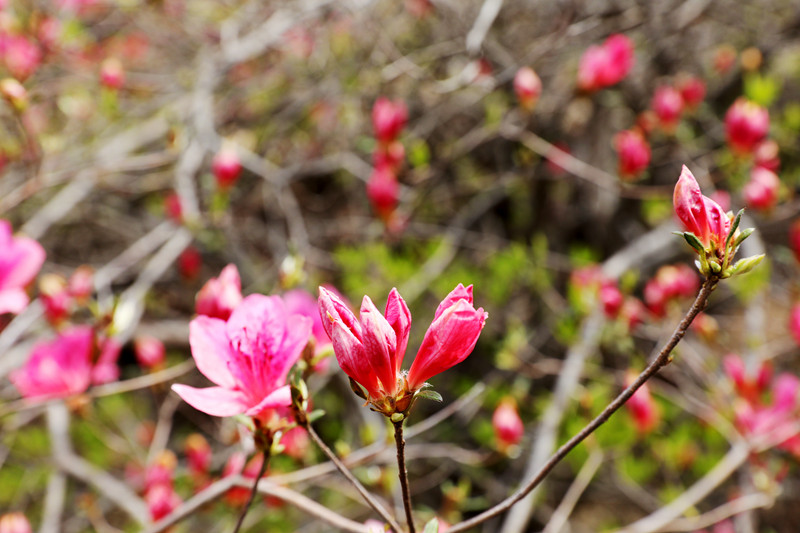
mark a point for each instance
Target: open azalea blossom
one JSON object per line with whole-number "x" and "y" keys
{"x": 20, "y": 261}
{"x": 248, "y": 357}
{"x": 371, "y": 350}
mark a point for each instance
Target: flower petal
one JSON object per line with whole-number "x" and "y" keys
{"x": 281, "y": 397}
{"x": 215, "y": 401}
{"x": 399, "y": 317}
{"x": 13, "y": 301}
{"x": 380, "y": 345}
{"x": 211, "y": 350}
{"x": 459, "y": 293}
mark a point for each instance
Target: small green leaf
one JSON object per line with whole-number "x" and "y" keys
{"x": 429, "y": 395}
{"x": 359, "y": 389}
{"x": 743, "y": 235}
{"x": 743, "y": 266}
{"x": 734, "y": 227}
{"x": 315, "y": 415}
{"x": 693, "y": 241}
{"x": 432, "y": 526}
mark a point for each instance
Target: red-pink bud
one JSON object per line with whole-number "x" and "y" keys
{"x": 198, "y": 454}
{"x": 746, "y": 124}
{"x": 794, "y": 238}
{"x": 81, "y": 283}
{"x": 189, "y": 263}
{"x": 611, "y": 298}
{"x": 642, "y": 407}
{"x": 226, "y": 166}
{"x": 295, "y": 443}
{"x": 161, "y": 471}
{"x": 668, "y": 106}
{"x": 55, "y": 298}
{"x": 220, "y": 296}
{"x": 692, "y": 89}
{"x": 766, "y": 155}
{"x": 161, "y": 500}
{"x": 21, "y": 56}
{"x": 173, "y": 207}
{"x": 794, "y": 323}
{"x": 388, "y": 119}
{"x": 14, "y": 523}
{"x": 761, "y": 192}
{"x": 383, "y": 192}
{"x": 528, "y": 88}
{"x": 389, "y": 156}
{"x": 633, "y": 152}
{"x": 724, "y": 58}
{"x": 150, "y": 352}
{"x": 112, "y": 74}
{"x": 508, "y": 427}
{"x": 606, "y": 65}
{"x": 699, "y": 214}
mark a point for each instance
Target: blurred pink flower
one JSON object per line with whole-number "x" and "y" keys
{"x": 383, "y": 192}
{"x": 295, "y": 442}
{"x": 220, "y": 296}
{"x": 746, "y": 124}
{"x": 699, "y": 214}
{"x": 81, "y": 283}
{"x": 388, "y": 118}
{"x": 226, "y": 166}
{"x": 606, "y": 65}
{"x": 20, "y": 261}
{"x": 189, "y": 263}
{"x": 112, "y": 74}
{"x": 55, "y": 298}
{"x": 161, "y": 500}
{"x": 150, "y": 352}
{"x": 642, "y": 407}
{"x": 14, "y": 523}
{"x": 692, "y": 90}
{"x": 300, "y": 302}
{"x": 747, "y": 387}
{"x": 633, "y": 152}
{"x": 248, "y": 357}
{"x": 528, "y": 88}
{"x": 670, "y": 282}
{"x": 371, "y": 351}
{"x": 508, "y": 427}
{"x": 105, "y": 369}
{"x": 198, "y": 454}
{"x": 794, "y": 322}
{"x": 761, "y": 192}
{"x": 389, "y": 155}
{"x": 611, "y": 298}
{"x": 777, "y": 419}
{"x": 668, "y": 106}
{"x": 20, "y": 55}
{"x": 766, "y": 155}
{"x": 57, "y": 368}
{"x": 794, "y": 240}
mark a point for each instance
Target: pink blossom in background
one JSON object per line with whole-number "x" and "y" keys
{"x": 173, "y": 207}
{"x": 527, "y": 87}
{"x": 81, "y": 283}
{"x": 57, "y": 368}
{"x": 746, "y": 124}
{"x": 723, "y": 198}
{"x": 633, "y": 153}
{"x": 642, "y": 407}
{"x": 671, "y": 282}
{"x": 668, "y": 105}
{"x": 20, "y": 261}
{"x": 388, "y": 118}
{"x": 161, "y": 500}
{"x": 220, "y": 296}
{"x": 794, "y": 322}
{"x": 611, "y": 298}
{"x": 699, "y": 214}
{"x": 633, "y": 312}
{"x": 761, "y": 192}
{"x": 295, "y": 443}
{"x": 508, "y": 427}
{"x": 419, "y": 8}
{"x": 300, "y": 302}
{"x": 149, "y": 351}
{"x": 778, "y": 419}
{"x": 691, "y": 89}
{"x": 20, "y": 55}
{"x": 161, "y": 471}
{"x": 55, "y": 298}
{"x": 226, "y": 166}
{"x": 371, "y": 350}
{"x": 198, "y": 454}
{"x": 389, "y": 156}
{"x": 606, "y": 65}
{"x": 766, "y": 155}
{"x": 748, "y": 387}
{"x": 14, "y": 523}
{"x": 189, "y": 263}
{"x": 383, "y": 192}
{"x": 248, "y": 358}
{"x": 112, "y": 74}
{"x": 237, "y": 496}
{"x": 724, "y": 58}
{"x": 794, "y": 239}
{"x": 105, "y": 369}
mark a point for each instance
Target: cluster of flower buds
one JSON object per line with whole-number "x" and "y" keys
{"x": 159, "y": 489}
{"x": 61, "y": 297}
{"x": 588, "y": 286}
{"x": 20, "y": 263}
{"x": 641, "y": 406}
{"x": 220, "y": 296}
{"x": 508, "y": 427}
{"x": 607, "y": 64}
{"x": 712, "y": 232}
{"x": 388, "y": 120}
{"x": 670, "y": 283}
{"x": 371, "y": 350}
{"x": 670, "y": 102}
{"x": 528, "y": 88}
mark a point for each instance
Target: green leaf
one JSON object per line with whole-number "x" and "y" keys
{"x": 429, "y": 395}
{"x": 693, "y": 241}
{"x": 315, "y": 415}
{"x": 743, "y": 266}
{"x": 432, "y": 526}
{"x": 761, "y": 89}
{"x": 743, "y": 235}
{"x": 359, "y": 389}
{"x": 734, "y": 227}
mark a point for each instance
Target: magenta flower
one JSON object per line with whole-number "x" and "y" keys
{"x": 388, "y": 118}
{"x": 528, "y": 88}
{"x": 699, "y": 214}
{"x": 220, "y": 296}
{"x": 300, "y": 302}
{"x": 57, "y": 368}
{"x": 20, "y": 261}
{"x": 248, "y": 357}
{"x": 668, "y": 106}
{"x": 761, "y": 192}
{"x": 371, "y": 350}
{"x": 633, "y": 152}
{"x": 606, "y": 65}
{"x": 746, "y": 124}
{"x": 508, "y": 427}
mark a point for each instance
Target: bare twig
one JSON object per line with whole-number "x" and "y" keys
{"x": 264, "y": 462}
{"x": 403, "y": 474}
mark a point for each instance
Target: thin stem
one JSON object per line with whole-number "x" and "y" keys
{"x": 369, "y": 498}
{"x": 253, "y": 491}
{"x": 661, "y": 360}
{"x": 401, "y": 466}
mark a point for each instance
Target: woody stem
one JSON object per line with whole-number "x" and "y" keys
{"x": 401, "y": 465}
{"x": 253, "y": 491}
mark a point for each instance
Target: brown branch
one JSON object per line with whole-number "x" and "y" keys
{"x": 403, "y": 475}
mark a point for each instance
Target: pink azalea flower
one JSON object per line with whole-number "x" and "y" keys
{"x": 606, "y": 65}
{"x": 746, "y": 124}
{"x": 198, "y": 454}
{"x": 528, "y": 88}
{"x": 699, "y": 214}
{"x": 668, "y": 106}
{"x": 508, "y": 427}
{"x": 300, "y": 302}
{"x": 633, "y": 152}
{"x": 248, "y": 358}
{"x": 57, "y": 368}
{"x": 220, "y": 296}
{"x": 761, "y": 192}
{"x": 371, "y": 350}
{"x": 20, "y": 261}
{"x": 388, "y": 118}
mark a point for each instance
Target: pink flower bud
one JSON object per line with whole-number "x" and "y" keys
{"x": 388, "y": 119}
{"x": 642, "y": 407}
{"x": 14, "y": 523}
{"x": 198, "y": 454}
{"x": 14, "y": 93}
{"x": 611, "y": 299}
{"x": 508, "y": 427}
{"x": 173, "y": 207}
{"x": 55, "y": 298}
{"x": 794, "y": 323}
{"x": 226, "y": 166}
{"x": 606, "y": 65}
{"x": 699, "y": 214}
{"x": 761, "y": 192}
{"x": 746, "y": 124}
{"x": 724, "y": 58}
{"x": 220, "y": 296}
{"x": 668, "y": 106}
{"x": 633, "y": 152}
{"x": 528, "y": 88}
{"x": 794, "y": 238}
{"x": 81, "y": 283}
{"x": 389, "y": 156}
{"x": 383, "y": 192}
{"x": 692, "y": 90}
{"x": 112, "y": 74}
{"x": 295, "y": 443}
{"x": 162, "y": 471}
{"x": 21, "y": 56}
{"x": 161, "y": 500}
{"x": 633, "y": 312}
{"x": 189, "y": 263}
{"x": 766, "y": 155}
{"x": 150, "y": 352}
{"x": 105, "y": 369}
